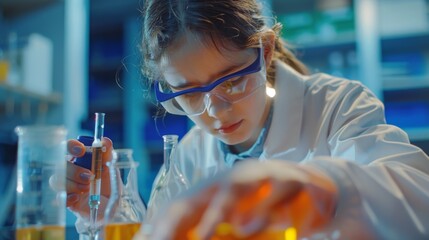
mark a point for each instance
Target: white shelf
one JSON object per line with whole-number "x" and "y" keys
{"x": 418, "y": 133}
{"x": 405, "y": 82}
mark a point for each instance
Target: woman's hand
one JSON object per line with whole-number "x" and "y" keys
{"x": 253, "y": 198}
{"x": 78, "y": 179}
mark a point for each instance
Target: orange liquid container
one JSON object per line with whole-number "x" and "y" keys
{"x": 299, "y": 216}
{"x": 121, "y": 231}
{"x": 42, "y": 233}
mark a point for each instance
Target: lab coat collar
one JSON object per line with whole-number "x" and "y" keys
{"x": 284, "y": 132}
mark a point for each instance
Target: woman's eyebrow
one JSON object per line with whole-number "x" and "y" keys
{"x": 228, "y": 71}
{"x": 217, "y": 76}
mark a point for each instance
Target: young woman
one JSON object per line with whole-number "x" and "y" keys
{"x": 317, "y": 156}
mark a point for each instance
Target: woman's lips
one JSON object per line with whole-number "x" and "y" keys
{"x": 230, "y": 128}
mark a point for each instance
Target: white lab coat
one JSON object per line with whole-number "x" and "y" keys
{"x": 338, "y": 126}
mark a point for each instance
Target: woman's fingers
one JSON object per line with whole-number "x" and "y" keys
{"x": 253, "y": 197}
{"x": 217, "y": 211}
{"x": 72, "y": 199}
{"x": 79, "y": 204}
{"x": 246, "y": 207}
{"x": 75, "y": 148}
{"x": 78, "y": 174}
{"x": 105, "y": 181}
{"x": 253, "y": 212}
{"x": 300, "y": 197}
{"x": 183, "y": 216}
{"x": 78, "y": 179}
{"x": 74, "y": 187}
{"x": 107, "y": 153}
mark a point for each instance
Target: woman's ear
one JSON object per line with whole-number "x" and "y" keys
{"x": 268, "y": 43}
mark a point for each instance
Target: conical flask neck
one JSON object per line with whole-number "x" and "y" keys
{"x": 170, "y": 142}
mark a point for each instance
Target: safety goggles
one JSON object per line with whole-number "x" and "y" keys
{"x": 231, "y": 88}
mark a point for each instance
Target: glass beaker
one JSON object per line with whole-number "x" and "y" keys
{"x": 170, "y": 182}
{"x": 125, "y": 209}
{"x": 40, "y": 209}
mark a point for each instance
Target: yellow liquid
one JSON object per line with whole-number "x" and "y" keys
{"x": 97, "y": 163}
{"x": 4, "y": 66}
{"x": 42, "y": 233}
{"x": 225, "y": 231}
{"x": 121, "y": 231}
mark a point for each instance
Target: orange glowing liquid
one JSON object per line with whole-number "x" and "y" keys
{"x": 42, "y": 233}
{"x": 298, "y": 211}
{"x": 123, "y": 231}
{"x": 225, "y": 231}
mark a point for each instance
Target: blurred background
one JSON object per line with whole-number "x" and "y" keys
{"x": 63, "y": 60}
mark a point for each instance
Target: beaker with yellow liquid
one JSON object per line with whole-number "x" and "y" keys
{"x": 41, "y": 233}
{"x": 40, "y": 209}
{"x": 125, "y": 210}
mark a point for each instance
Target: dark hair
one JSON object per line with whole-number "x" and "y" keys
{"x": 239, "y": 22}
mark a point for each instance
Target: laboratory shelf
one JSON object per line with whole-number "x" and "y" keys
{"x": 324, "y": 47}
{"x": 19, "y": 92}
{"x": 388, "y": 41}
{"x": 405, "y": 82}
{"x": 13, "y": 8}
{"x": 340, "y": 40}
{"x": 417, "y": 133}
{"x": 388, "y": 44}
{"x": 20, "y": 106}
{"x": 405, "y": 42}
{"x": 108, "y": 102}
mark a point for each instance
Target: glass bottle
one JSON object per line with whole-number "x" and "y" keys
{"x": 170, "y": 181}
{"x": 125, "y": 209}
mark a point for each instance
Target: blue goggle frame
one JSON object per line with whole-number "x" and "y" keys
{"x": 252, "y": 68}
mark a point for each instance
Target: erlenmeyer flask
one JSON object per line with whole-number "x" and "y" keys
{"x": 125, "y": 209}
{"x": 170, "y": 181}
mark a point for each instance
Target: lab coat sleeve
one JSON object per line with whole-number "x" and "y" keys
{"x": 382, "y": 201}
{"x": 384, "y": 178}
{"x": 359, "y": 131}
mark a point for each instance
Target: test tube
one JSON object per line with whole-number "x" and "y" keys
{"x": 96, "y": 166}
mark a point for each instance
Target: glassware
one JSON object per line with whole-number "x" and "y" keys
{"x": 40, "y": 209}
{"x": 125, "y": 209}
{"x": 170, "y": 182}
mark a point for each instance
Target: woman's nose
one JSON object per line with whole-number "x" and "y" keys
{"x": 217, "y": 106}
